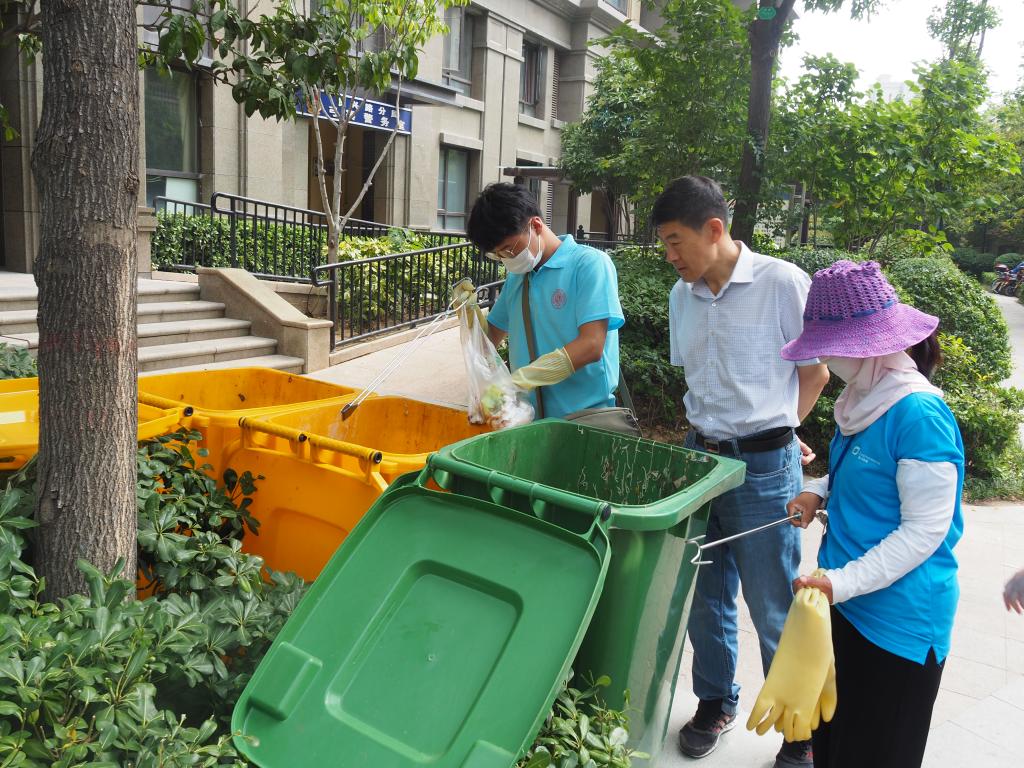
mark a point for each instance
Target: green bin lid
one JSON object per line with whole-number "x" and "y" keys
{"x": 438, "y": 635}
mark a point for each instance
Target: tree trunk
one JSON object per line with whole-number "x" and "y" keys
{"x": 85, "y": 163}
{"x": 765, "y": 35}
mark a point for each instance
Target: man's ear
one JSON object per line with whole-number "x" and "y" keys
{"x": 714, "y": 229}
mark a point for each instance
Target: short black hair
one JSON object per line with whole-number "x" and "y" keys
{"x": 692, "y": 201}
{"x": 501, "y": 210}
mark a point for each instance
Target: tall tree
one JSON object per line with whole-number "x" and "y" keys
{"x": 766, "y": 31}
{"x": 85, "y": 163}
{"x": 664, "y": 104}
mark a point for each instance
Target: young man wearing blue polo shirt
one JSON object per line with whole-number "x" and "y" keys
{"x": 729, "y": 315}
{"x": 573, "y": 304}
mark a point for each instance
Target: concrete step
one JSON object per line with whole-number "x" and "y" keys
{"x": 181, "y": 331}
{"x": 18, "y": 322}
{"x": 176, "y": 311}
{"x": 18, "y": 298}
{"x": 280, "y": 362}
{"x": 13, "y": 321}
{"x": 152, "y": 291}
{"x": 164, "y": 356}
{"x": 153, "y": 334}
{"x": 149, "y": 291}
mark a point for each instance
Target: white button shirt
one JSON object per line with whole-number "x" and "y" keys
{"x": 729, "y": 347}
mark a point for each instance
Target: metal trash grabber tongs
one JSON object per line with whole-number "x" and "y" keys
{"x": 405, "y": 353}
{"x": 821, "y": 515}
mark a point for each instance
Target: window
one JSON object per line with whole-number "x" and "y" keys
{"x": 172, "y": 166}
{"x": 452, "y": 189}
{"x": 530, "y": 73}
{"x": 622, "y": 6}
{"x": 457, "y": 70}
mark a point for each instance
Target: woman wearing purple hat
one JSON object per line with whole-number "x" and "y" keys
{"x": 896, "y": 468}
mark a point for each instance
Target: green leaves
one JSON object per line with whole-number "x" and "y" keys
{"x": 100, "y": 680}
{"x": 582, "y": 733}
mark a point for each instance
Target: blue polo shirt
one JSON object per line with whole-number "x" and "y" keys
{"x": 915, "y": 613}
{"x": 576, "y": 285}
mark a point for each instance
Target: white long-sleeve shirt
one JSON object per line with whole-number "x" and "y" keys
{"x": 927, "y": 502}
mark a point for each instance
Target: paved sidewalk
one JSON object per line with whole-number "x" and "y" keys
{"x": 979, "y": 714}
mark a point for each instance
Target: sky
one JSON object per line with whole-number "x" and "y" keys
{"x": 889, "y": 44}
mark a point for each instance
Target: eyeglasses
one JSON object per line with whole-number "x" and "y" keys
{"x": 505, "y": 253}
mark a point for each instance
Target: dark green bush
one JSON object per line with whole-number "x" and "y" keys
{"x": 104, "y": 681}
{"x": 657, "y": 386}
{"x": 973, "y": 261}
{"x": 810, "y": 260}
{"x": 989, "y": 415}
{"x": 16, "y": 363}
{"x": 964, "y": 308}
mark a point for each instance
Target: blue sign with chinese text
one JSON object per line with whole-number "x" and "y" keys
{"x": 364, "y": 112}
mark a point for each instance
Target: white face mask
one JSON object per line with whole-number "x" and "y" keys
{"x": 844, "y": 367}
{"x": 525, "y": 260}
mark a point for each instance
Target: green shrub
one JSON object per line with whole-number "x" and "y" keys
{"x": 16, "y": 363}
{"x": 937, "y": 286}
{"x": 810, "y": 260}
{"x": 657, "y": 386}
{"x": 101, "y": 680}
{"x": 989, "y": 415}
{"x": 909, "y": 244}
{"x": 973, "y": 261}
{"x": 582, "y": 731}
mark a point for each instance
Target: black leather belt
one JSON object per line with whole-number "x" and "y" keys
{"x": 770, "y": 440}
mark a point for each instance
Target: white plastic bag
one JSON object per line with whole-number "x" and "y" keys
{"x": 493, "y": 398}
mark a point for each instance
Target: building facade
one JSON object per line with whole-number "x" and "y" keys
{"x": 489, "y": 103}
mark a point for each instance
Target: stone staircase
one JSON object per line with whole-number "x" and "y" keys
{"x": 177, "y": 330}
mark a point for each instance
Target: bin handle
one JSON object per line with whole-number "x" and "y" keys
{"x": 442, "y": 467}
{"x": 319, "y": 441}
{"x": 165, "y": 402}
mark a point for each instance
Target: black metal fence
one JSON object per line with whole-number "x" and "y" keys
{"x": 368, "y": 297}
{"x": 605, "y": 242}
{"x": 270, "y": 240}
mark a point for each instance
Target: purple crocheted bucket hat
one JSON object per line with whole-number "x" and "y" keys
{"x": 853, "y": 311}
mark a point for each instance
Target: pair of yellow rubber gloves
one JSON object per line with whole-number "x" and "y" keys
{"x": 546, "y": 370}
{"x": 800, "y": 690}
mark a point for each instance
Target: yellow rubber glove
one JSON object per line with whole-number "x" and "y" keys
{"x": 545, "y": 370}
{"x": 792, "y": 692}
{"x": 826, "y": 706}
{"x": 463, "y": 298}
{"x": 463, "y": 293}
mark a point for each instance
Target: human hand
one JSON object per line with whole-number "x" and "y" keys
{"x": 462, "y": 294}
{"x": 807, "y": 454}
{"x": 1013, "y": 593}
{"x": 817, "y": 580}
{"x": 806, "y": 504}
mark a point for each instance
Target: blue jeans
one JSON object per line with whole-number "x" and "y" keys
{"x": 765, "y": 564}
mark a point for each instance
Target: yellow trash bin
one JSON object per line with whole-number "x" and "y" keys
{"x": 214, "y": 401}
{"x": 19, "y": 425}
{"x": 405, "y": 431}
{"x": 322, "y": 473}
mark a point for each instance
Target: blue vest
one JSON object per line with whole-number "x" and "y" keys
{"x": 915, "y": 614}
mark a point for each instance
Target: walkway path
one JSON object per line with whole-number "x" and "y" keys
{"x": 979, "y": 714}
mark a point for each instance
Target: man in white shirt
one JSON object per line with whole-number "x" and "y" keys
{"x": 729, "y": 315}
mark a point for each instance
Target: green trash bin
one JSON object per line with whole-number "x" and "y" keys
{"x": 660, "y": 497}
{"x": 432, "y": 637}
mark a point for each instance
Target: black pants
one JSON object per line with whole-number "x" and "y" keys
{"x": 884, "y": 707}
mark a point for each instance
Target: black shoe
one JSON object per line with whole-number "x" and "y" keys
{"x": 700, "y": 736}
{"x": 796, "y": 753}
